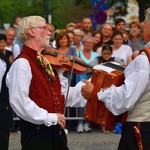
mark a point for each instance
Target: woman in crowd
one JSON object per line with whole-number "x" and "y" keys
{"x": 134, "y": 35}
{"x": 87, "y": 54}
{"x": 8, "y": 53}
{"x": 78, "y": 36}
{"x": 63, "y": 44}
{"x": 134, "y": 25}
{"x": 98, "y": 42}
{"x": 122, "y": 53}
{"x": 71, "y": 36}
{"x": 64, "y": 47}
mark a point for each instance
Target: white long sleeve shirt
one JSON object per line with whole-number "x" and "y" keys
{"x": 16, "y": 50}
{"x": 2, "y": 71}
{"x": 18, "y": 81}
{"x": 137, "y": 79}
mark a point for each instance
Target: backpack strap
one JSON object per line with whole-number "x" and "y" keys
{"x": 147, "y": 51}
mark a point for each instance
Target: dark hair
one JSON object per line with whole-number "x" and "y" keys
{"x": 117, "y": 33}
{"x": 135, "y": 23}
{"x": 59, "y": 36}
{"x": 119, "y": 20}
{"x": 87, "y": 18}
{"x": 96, "y": 46}
{"x": 107, "y": 47}
{"x": 3, "y": 37}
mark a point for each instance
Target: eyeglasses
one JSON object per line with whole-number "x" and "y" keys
{"x": 70, "y": 31}
{"x": 88, "y": 42}
{"x": 106, "y": 53}
{"x": 78, "y": 35}
{"x": 135, "y": 36}
{"x": 42, "y": 27}
{"x": 3, "y": 42}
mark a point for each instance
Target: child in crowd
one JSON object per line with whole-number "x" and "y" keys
{"x": 106, "y": 54}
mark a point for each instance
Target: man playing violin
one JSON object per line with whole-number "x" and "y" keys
{"x": 37, "y": 91}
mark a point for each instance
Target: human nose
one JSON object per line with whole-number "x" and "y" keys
{"x": 49, "y": 33}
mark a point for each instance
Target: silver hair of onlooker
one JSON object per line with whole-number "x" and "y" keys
{"x": 78, "y": 31}
{"x": 147, "y": 17}
{"x": 88, "y": 37}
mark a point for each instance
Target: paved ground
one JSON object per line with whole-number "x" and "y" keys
{"x": 96, "y": 140}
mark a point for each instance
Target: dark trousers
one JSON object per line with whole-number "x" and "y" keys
{"x": 37, "y": 137}
{"x": 128, "y": 139}
{"x": 6, "y": 119}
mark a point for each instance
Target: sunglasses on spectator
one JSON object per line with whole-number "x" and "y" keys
{"x": 70, "y": 31}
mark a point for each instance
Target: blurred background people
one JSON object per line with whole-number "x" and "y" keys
{"x": 7, "y": 53}
{"x": 16, "y": 22}
{"x": 78, "y": 36}
{"x": 63, "y": 44}
{"x": 71, "y": 26}
{"x": 87, "y": 54}
{"x": 10, "y": 34}
{"x": 122, "y": 53}
{"x": 64, "y": 47}
{"x": 17, "y": 44}
{"x": 51, "y": 28}
{"x": 6, "y": 116}
{"x": 120, "y": 24}
{"x": 134, "y": 25}
{"x": 71, "y": 36}
{"x": 138, "y": 45}
{"x": 16, "y": 50}
{"x": 87, "y": 26}
{"x": 98, "y": 41}
{"x": 134, "y": 35}
{"x": 106, "y": 56}
{"x": 107, "y": 31}
{"x": 126, "y": 39}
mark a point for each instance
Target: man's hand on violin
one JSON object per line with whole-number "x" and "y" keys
{"x": 61, "y": 120}
{"x": 87, "y": 89}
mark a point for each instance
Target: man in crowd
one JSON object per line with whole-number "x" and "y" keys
{"x": 10, "y": 34}
{"x": 120, "y": 24}
{"x": 87, "y": 26}
{"x": 107, "y": 31}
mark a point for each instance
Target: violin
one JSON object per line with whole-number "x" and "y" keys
{"x": 58, "y": 60}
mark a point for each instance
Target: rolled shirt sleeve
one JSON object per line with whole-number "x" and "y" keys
{"x": 123, "y": 98}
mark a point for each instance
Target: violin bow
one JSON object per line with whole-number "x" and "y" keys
{"x": 70, "y": 78}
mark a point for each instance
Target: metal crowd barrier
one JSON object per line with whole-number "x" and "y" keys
{"x": 68, "y": 117}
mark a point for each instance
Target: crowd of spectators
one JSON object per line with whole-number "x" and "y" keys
{"x": 110, "y": 43}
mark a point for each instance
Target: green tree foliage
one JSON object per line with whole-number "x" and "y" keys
{"x": 62, "y": 11}
{"x": 79, "y": 2}
{"x": 10, "y": 9}
{"x": 143, "y": 5}
{"x": 65, "y": 11}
